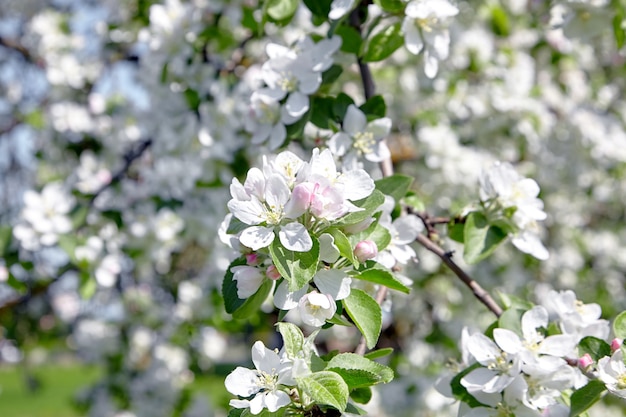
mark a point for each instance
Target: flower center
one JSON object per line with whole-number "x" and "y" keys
{"x": 427, "y": 23}
{"x": 500, "y": 364}
{"x": 268, "y": 114}
{"x": 363, "y": 142}
{"x": 268, "y": 382}
{"x": 621, "y": 381}
{"x": 288, "y": 82}
{"x": 273, "y": 214}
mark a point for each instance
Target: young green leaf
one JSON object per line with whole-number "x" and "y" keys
{"x": 374, "y": 232}
{"x": 480, "y": 238}
{"x": 391, "y": 6}
{"x": 366, "y": 314}
{"x": 379, "y": 353}
{"x": 358, "y": 371}
{"x": 298, "y": 268}
{"x": 229, "y": 287}
{"x": 253, "y": 303}
{"x": 351, "y": 39}
{"x": 281, "y": 9}
{"x": 326, "y": 387}
{"x": 343, "y": 244}
{"x": 374, "y": 108}
{"x": 384, "y": 43}
{"x": 383, "y": 277}
{"x": 619, "y": 325}
{"x": 596, "y": 348}
{"x": 369, "y": 205}
{"x": 293, "y": 338}
{"x": 582, "y": 399}
{"x": 395, "y": 186}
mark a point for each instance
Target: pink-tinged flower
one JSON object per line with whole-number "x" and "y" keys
{"x": 265, "y": 383}
{"x": 585, "y": 361}
{"x": 616, "y": 344}
{"x": 365, "y": 250}
{"x": 272, "y": 273}
{"x": 612, "y": 371}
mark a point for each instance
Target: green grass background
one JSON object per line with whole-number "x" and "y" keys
{"x": 59, "y": 384}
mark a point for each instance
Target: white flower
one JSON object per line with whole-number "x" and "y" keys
{"x": 534, "y": 343}
{"x": 45, "y": 216}
{"x": 502, "y": 188}
{"x": 316, "y": 308}
{"x": 612, "y": 371}
{"x": 575, "y": 317}
{"x": 266, "y": 122}
{"x": 264, "y": 382}
{"x": 249, "y": 280}
{"x": 500, "y": 367}
{"x": 360, "y": 139}
{"x": 424, "y": 29}
{"x": 404, "y": 231}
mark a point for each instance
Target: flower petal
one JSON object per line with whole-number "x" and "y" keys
{"x": 295, "y": 237}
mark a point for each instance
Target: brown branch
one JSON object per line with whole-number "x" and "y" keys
{"x": 129, "y": 158}
{"x": 25, "y": 53}
{"x": 446, "y": 256}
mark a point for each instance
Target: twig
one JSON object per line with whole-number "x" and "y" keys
{"x": 16, "y": 46}
{"x": 129, "y": 158}
{"x": 446, "y": 256}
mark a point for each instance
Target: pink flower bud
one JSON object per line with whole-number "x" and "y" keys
{"x": 365, "y": 249}
{"x": 252, "y": 259}
{"x": 585, "y": 361}
{"x": 272, "y": 273}
{"x": 616, "y": 344}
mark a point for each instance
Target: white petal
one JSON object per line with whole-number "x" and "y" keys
{"x": 412, "y": 37}
{"x": 257, "y": 237}
{"x": 532, "y": 320}
{"x": 277, "y": 136}
{"x": 333, "y": 282}
{"x": 276, "y": 399}
{"x": 339, "y": 143}
{"x": 264, "y": 359}
{"x": 286, "y": 300}
{"x": 431, "y": 64}
{"x": 297, "y": 104}
{"x": 328, "y": 250}
{"x": 507, "y": 340}
{"x": 357, "y": 184}
{"x": 242, "y": 381}
{"x": 354, "y": 121}
{"x": 295, "y": 237}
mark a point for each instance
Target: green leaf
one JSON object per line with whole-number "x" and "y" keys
{"x": 596, "y": 348}
{"x": 511, "y": 319}
{"x": 353, "y": 409}
{"x": 327, "y": 388}
{"x": 395, "y": 186}
{"x": 481, "y": 238}
{"x": 384, "y": 43}
{"x": 619, "y": 325}
{"x": 582, "y": 399}
{"x": 500, "y": 21}
{"x": 281, "y": 9}
{"x": 341, "y": 104}
{"x": 361, "y": 395}
{"x": 331, "y": 74}
{"x": 366, "y": 314}
{"x": 319, "y": 8}
{"x": 253, "y": 303}
{"x": 298, "y": 268}
{"x": 383, "y": 277}
{"x": 618, "y": 30}
{"x": 6, "y": 233}
{"x": 369, "y": 205}
{"x": 343, "y": 244}
{"x": 293, "y": 338}
{"x": 455, "y": 231}
{"x": 351, "y": 39}
{"x": 235, "y": 226}
{"x": 322, "y": 111}
{"x": 413, "y": 201}
{"x": 511, "y": 301}
{"x": 374, "y": 108}
{"x": 359, "y": 371}
{"x": 229, "y": 287}
{"x": 391, "y": 6}
{"x": 379, "y": 353}
{"x": 460, "y": 392}
{"x": 374, "y": 232}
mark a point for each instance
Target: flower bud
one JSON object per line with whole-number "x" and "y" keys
{"x": 616, "y": 344}
{"x": 252, "y": 259}
{"x": 365, "y": 249}
{"x": 585, "y": 361}
{"x": 272, "y": 273}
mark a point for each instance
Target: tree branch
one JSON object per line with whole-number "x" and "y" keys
{"x": 129, "y": 158}
{"x": 479, "y": 292}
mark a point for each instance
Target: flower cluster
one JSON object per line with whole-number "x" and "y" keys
{"x": 524, "y": 368}
{"x": 509, "y": 196}
{"x": 290, "y": 76}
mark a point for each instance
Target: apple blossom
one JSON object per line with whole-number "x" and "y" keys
{"x": 316, "y": 308}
